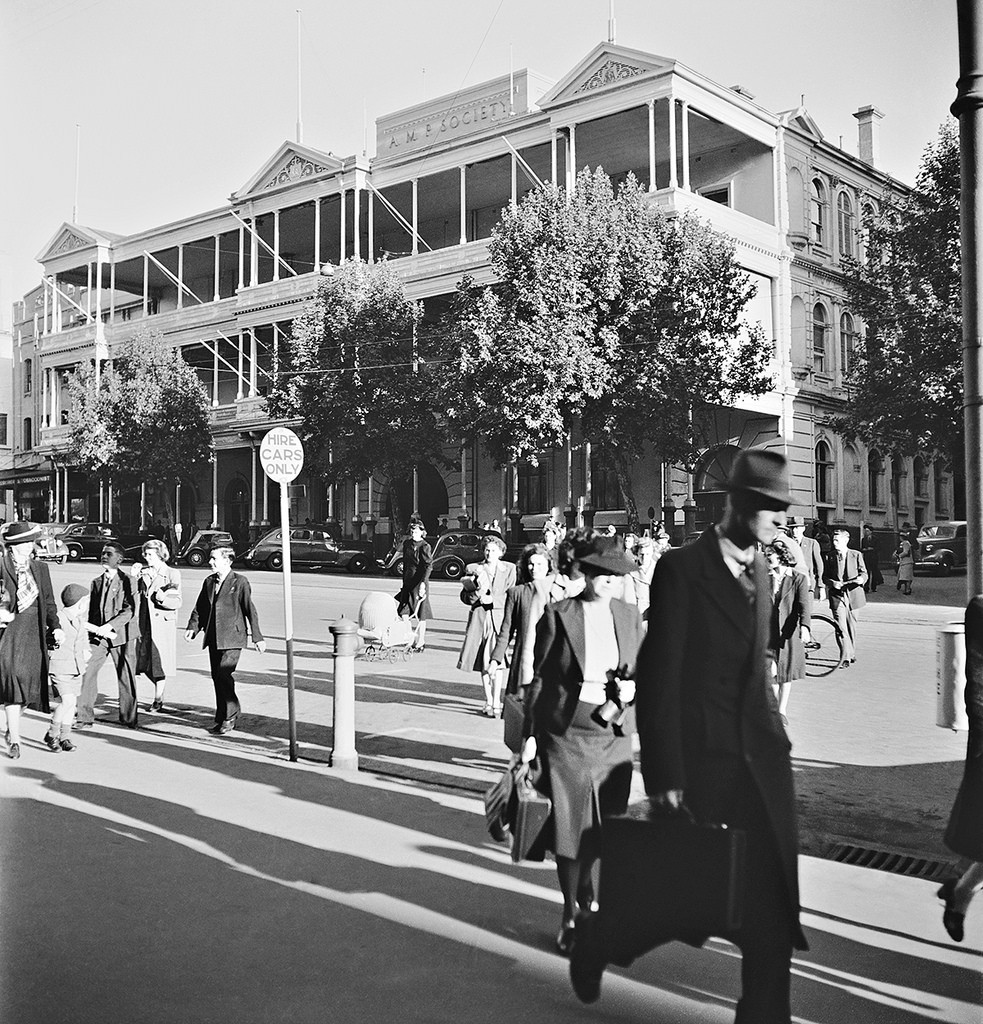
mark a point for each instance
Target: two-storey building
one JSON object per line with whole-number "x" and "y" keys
{"x": 225, "y": 286}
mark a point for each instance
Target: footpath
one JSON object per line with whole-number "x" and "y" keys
{"x": 163, "y": 875}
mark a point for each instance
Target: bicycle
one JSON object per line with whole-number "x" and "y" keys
{"x": 825, "y": 653}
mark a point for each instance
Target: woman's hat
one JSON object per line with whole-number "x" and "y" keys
{"x": 73, "y": 593}
{"x": 764, "y": 475}
{"x": 607, "y": 558}
{"x": 21, "y": 533}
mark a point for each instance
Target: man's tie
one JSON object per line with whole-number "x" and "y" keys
{"x": 27, "y": 589}
{"x": 746, "y": 580}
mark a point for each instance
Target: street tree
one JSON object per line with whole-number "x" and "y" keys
{"x": 905, "y": 388}
{"x": 355, "y": 375}
{"x": 610, "y": 316}
{"x": 142, "y": 417}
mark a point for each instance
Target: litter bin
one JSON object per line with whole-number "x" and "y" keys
{"x": 950, "y": 677}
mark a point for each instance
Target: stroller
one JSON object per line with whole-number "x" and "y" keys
{"x": 385, "y": 636}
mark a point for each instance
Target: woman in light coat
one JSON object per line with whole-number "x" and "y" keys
{"x": 905, "y": 558}
{"x": 159, "y": 589}
{"x": 485, "y": 586}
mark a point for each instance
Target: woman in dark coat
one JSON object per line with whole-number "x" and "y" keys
{"x": 965, "y": 832}
{"x": 868, "y": 548}
{"x": 29, "y": 615}
{"x": 414, "y": 598}
{"x": 584, "y": 661}
{"x": 791, "y": 621}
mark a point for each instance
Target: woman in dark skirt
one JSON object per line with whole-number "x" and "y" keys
{"x": 414, "y": 598}
{"x": 29, "y": 612}
{"x": 965, "y": 832}
{"x": 586, "y": 648}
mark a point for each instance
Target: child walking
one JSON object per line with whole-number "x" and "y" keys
{"x": 66, "y": 664}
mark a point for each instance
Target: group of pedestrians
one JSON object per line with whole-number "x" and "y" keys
{"x": 128, "y": 617}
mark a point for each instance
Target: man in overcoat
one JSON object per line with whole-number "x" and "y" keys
{"x": 845, "y": 574}
{"x": 711, "y": 736}
{"x": 112, "y": 608}
{"x": 222, "y": 611}
{"x": 812, "y": 554}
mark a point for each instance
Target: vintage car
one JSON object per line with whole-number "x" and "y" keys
{"x": 86, "y": 540}
{"x": 314, "y": 545}
{"x": 48, "y": 547}
{"x": 452, "y": 552}
{"x": 198, "y": 548}
{"x": 942, "y": 547}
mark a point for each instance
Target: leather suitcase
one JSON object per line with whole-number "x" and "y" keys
{"x": 664, "y": 877}
{"x": 531, "y": 814}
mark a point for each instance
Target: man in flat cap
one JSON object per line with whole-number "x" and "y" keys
{"x": 711, "y": 736}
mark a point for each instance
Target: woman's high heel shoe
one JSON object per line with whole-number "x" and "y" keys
{"x": 565, "y": 937}
{"x": 952, "y": 920}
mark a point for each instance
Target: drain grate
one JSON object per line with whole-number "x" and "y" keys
{"x": 890, "y": 860}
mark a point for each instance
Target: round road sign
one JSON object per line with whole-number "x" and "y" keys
{"x": 281, "y": 455}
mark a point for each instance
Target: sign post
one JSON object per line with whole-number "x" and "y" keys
{"x": 282, "y": 457}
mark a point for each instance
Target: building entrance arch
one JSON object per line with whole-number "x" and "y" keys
{"x": 432, "y": 495}
{"x": 710, "y": 484}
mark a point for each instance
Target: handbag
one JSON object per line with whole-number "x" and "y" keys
{"x": 497, "y": 800}
{"x": 666, "y": 876}
{"x": 530, "y": 811}
{"x": 513, "y": 715}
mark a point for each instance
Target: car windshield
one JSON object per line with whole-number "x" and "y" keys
{"x": 939, "y": 531}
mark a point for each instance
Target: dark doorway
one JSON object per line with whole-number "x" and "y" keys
{"x": 237, "y": 511}
{"x": 433, "y": 496}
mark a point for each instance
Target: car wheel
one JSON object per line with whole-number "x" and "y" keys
{"x": 63, "y": 559}
{"x": 397, "y": 567}
{"x": 74, "y": 553}
{"x": 454, "y": 569}
{"x": 196, "y": 558}
{"x": 275, "y": 561}
{"x": 945, "y": 567}
{"x": 357, "y": 564}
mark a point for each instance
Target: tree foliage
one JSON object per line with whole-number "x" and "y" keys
{"x": 610, "y": 315}
{"x": 142, "y": 417}
{"x": 355, "y": 374}
{"x": 906, "y": 385}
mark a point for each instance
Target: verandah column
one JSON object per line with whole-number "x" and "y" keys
{"x": 684, "y": 113}
{"x": 464, "y": 205}
{"x": 415, "y": 215}
{"x": 673, "y": 181}
{"x": 651, "y": 108}
{"x": 276, "y": 245}
{"x": 180, "y": 277}
{"x": 216, "y": 293}
{"x": 317, "y": 235}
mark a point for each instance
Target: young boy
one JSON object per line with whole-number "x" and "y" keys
{"x": 66, "y": 664}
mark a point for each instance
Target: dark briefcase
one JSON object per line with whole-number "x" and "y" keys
{"x": 531, "y": 812}
{"x": 663, "y": 877}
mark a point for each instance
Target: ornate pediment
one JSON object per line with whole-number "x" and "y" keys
{"x": 291, "y": 164}
{"x": 608, "y": 73}
{"x": 68, "y": 242}
{"x": 607, "y": 66}
{"x": 70, "y": 237}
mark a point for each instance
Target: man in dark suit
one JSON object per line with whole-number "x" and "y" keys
{"x": 708, "y": 721}
{"x": 845, "y": 574}
{"x": 222, "y": 611}
{"x": 112, "y": 608}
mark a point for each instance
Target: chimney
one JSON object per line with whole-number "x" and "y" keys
{"x": 869, "y": 149}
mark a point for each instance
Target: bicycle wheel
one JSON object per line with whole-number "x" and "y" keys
{"x": 826, "y": 653}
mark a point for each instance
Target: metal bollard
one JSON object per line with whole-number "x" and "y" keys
{"x": 950, "y": 677}
{"x": 343, "y": 752}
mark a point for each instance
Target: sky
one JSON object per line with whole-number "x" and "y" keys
{"x": 180, "y": 102}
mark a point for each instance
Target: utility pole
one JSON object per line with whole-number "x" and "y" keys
{"x": 300, "y": 122}
{"x": 78, "y": 150}
{"x": 968, "y": 107}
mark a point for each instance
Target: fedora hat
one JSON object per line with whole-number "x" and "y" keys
{"x": 607, "y": 558}
{"x": 839, "y": 527}
{"x": 763, "y": 474}
{"x": 21, "y": 533}
{"x": 791, "y": 521}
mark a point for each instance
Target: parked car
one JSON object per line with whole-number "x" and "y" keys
{"x": 86, "y": 540}
{"x": 198, "y": 548}
{"x": 48, "y": 547}
{"x": 359, "y": 560}
{"x": 942, "y": 547}
{"x": 452, "y": 552}
{"x": 314, "y": 545}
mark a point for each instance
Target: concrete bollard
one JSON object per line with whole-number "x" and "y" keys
{"x": 950, "y": 677}
{"x": 343, "y": 752}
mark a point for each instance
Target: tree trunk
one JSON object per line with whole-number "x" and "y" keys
{"x": 627, "y": 493}
{"x": 399, "y": 523}
{"x": 171, "y": 539}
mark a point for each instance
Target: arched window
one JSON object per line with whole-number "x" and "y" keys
{"x": 848, "y": 342}
{"x": 605, "y": 489}
{"x": 817, "y": 211}
{"x": 820, "y": 327}
{"x": 28, "y": 375}
{"x": 921, "y": 477}
{"x": 28, "y": 434}
{"x": 875, "y": 479}
{"x": 844, "y": 224}
{"x": 824, "y": 473}
{"x": 899, "y": 489}
{"x": 851, "y": 477}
